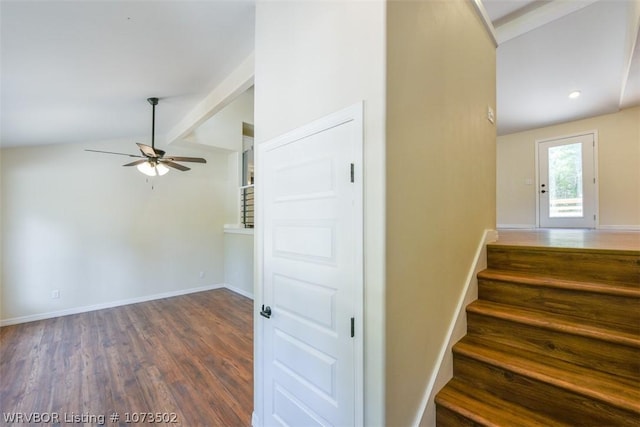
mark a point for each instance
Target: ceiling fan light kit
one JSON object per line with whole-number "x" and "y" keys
{"x": 153, "y": 161}
{"x": 152, "y": 170}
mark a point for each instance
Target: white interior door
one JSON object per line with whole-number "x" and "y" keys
{"x": 311, "y": 208}
{"x": 567, "y": 182}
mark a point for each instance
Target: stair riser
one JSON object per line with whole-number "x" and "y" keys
{"x": 539, "y": 396}
{"x": 448, "y": 418}
{"x": 605, "y": 309}
{"x": 575, "y": 265}
{"x": 592, "y": 353}
{"x": 484, "y": 409}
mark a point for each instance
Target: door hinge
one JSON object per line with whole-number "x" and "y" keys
{"x": 353, "y": 327}
{"x": 353, "y": 173}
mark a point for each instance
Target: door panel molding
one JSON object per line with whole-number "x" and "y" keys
{"x": 280, "y": 241}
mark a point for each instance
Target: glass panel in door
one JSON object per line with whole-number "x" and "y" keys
{"x": 565, "y": 181}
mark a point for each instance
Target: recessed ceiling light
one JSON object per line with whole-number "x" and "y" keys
{"x": 575, "y": 94}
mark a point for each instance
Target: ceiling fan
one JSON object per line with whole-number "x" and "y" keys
{"x": 153, "y": 161}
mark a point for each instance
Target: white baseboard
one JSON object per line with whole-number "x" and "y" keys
{"x": 255, "y": 422}
{"x": 443, "y": 370}
{"x": 599, "y": 227}
{"x": 111, "y": 304}
{"x": 619, "y": 227}
{"x": 239, "y": 291}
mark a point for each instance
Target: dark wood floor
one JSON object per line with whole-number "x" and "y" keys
{"x": 191, "y": 356}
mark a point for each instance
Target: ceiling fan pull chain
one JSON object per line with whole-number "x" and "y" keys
{"x": 150, "y": 180}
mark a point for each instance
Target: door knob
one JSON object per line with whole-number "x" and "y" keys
{"x": 265, "y": 312}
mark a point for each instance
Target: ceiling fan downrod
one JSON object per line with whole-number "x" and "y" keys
{"x": 152, "y": 161}
{"x": 153, "y": 102}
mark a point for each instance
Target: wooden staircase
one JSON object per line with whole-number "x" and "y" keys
{"x": 553, "y": 340}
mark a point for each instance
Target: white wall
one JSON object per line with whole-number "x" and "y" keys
{"x": 238, "y": 261}
{"x": 312, "y": 59}
{"x": 80, "y": 223}
{"x": 618, "y": 170}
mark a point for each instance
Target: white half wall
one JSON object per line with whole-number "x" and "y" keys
{"x": 238, "y": 261}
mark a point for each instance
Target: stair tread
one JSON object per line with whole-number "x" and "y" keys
{"x": 487, "y": 409}
{"x": 631, "y": 290}
{"x": 562, "y": 249}
{"x": 614, "y": 390}
{"x": 555, "y": 322}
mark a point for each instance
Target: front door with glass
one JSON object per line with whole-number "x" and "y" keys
{"x": 567, "y": 182}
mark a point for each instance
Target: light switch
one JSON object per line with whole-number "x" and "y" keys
{"x": 491, "y": 116}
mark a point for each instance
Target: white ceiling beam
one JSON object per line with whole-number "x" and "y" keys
{"x": 486, "y": 20}
{"x": 236, "y": 83}
{"x": 630, "y": 90}
{"x": 510, "y": 28}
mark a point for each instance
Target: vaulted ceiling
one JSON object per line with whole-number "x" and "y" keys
{"x": 548, "y": 49}
{"x": 75, "y": 71}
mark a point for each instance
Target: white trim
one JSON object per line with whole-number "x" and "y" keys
{"x": 596, "y": 176}
{"x": 596, "y": 195}
{"x": 536, "y": 180}
{"x": 619, "y": 227}
{"x": 486, "y": 20}
{"x": 443, "y": 371}
{"x": 627, "y": 76}
{"x": 518, "y": 226}
{"x": 520, "y": 24}
{"x": 570, "y": 135}
{"x": 119, "y": 303}
{"x": 258, "y": 326}
{"x": 357, "y": 111}
{"x": 633, "y": 32}
{"x": 249, "y": 231}
{"x": 239, "y": 291}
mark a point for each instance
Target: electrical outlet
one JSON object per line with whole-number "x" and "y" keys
{"x": 202, "y": 274}
{"x": 55, "y": 294}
